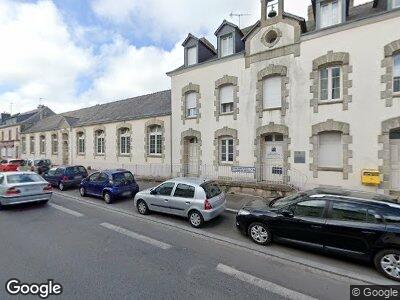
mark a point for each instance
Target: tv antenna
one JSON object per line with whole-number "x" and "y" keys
{"x": 239, "y": 16}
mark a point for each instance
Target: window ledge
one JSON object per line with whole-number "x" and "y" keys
{"x": 328, "y": 102}
{"x": 81, "y": 154}
{"x": 272, "y": 108}
{"x": 226, "y": 114}
{"x": 225, "y": 164}
{"x": 191, "y": 118}
{"x": 98, "y": 154}
{"x": 124, "y": 155}
{"x": 396, "y": 95}
{"x": 155, "y": 155}
{"x": 329, "y": 169}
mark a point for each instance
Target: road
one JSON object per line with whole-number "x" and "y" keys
{"x": 110, "y": 252}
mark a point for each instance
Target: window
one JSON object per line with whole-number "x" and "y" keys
{"x": 165, "y": 189}
{"x": 191, "y": 56}
{"x": 10, "y": 135}
{"x": 23, "y": 145}
{"x": 100, "y": 142}
{"x": 211, "y": 189}
{"x": 94, "y": 177}
{"x": 272, "y": 92}
{"x": 124, "y": 141}
{"x": 396, "y": 3}
{"x": 226, "y": 150}
{"x": 54, "y": 144}
{"x": 155, "y": 140}
{"x": 396, "y": 73}
{"x": 191, "y": 105}
{"x": 32, "y": 145}
{"x": 330, "y": 83}
{"x": 226, "y": 99}
{"x": 330, "y": 13}
{"x": 42, "y": 144}
{"x": 353, "y": 212}
{"x": 311, "y": 209}
{"x": 81, "y": 143}
{"x": 226, "y": 45}
{"x": 184, "y": 191}
{"x": 330, "y": 150}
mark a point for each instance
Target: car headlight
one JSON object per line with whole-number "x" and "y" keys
{"x": 243, "y": 212}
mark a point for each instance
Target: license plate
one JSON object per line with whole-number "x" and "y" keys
{"x": 126, "y": 194}
{"x": 78, "y": 177}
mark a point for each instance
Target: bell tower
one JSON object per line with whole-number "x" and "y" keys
{"x": 271, "y": 9}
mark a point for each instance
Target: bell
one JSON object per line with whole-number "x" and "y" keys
{"x": 272, "y": 13}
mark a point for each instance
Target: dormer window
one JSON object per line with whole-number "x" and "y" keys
{"x": 191, "y": 56}
{"x": 330, "y": 13}
{"x": 227, "y": 45}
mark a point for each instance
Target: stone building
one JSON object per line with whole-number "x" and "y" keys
{"x": 12, "y": 125}
{"x": 290, "y": 99}
{"x": 132, "y": 133}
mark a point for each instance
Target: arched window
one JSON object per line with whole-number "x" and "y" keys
{"x": 124, "y": 141}
{"x": 100, "y": 142}
{"x": 272, "y": 92}
{"x": 54, "y": 144}
{"x": 81, "y": 146}
{"x": 155, "y": 140}
{"x": 42, "y": 144}
{"x": 32, "y": 145}
{"x": 23, "y": 145}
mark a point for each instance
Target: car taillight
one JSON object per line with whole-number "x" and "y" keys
{"x": 65, "y": 178}
{"x": 207, "y": 205}
{"x": 13, "y": 192}
{"x": 48, "y": 188}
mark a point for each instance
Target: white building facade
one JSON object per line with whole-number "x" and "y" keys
{"x": 314, "y": 102}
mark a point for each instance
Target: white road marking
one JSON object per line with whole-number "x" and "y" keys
{"x": 66, "y": 210}
{"x": 137, "y": 236}
{"x": 266, "y": 285}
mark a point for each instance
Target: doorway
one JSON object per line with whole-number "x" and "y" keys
{"x": 272, "y": 157}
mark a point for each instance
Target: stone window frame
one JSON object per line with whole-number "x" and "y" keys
{"x": 32, "y": 138}
{"x": 191, "y": 88}
{"x": 118, "y": 139}
{"x": 222, "y": 133}
{"x": 272, "y": 128}
{"x": 78, "y": 131}
{"x": 52, "y": 134}
{"x": 226, "y": 80}
{"x": 272, "y": 71}
{"x": 23, "y": 145}
{"x": 331, "y": 59}
{"x": 190, "y": 133}
{"x": 95, "y": 130}
{"x": 264, "y": 37}
{"x": 42, "y": 150}
{"x": 384, "y": 153}
{"x": 147, "y": 126}
{"x": 332, "y": 126}
{"x": 390, "y": 50}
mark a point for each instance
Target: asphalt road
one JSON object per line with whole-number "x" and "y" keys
{"x": 110, "y": 252}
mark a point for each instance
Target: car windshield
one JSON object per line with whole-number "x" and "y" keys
{"x": 282, "y": 202}
{"x": 125, "y": 177}
{"x": 23, "y": 178}
{"x": 212, "y": 189}
{"x": 51, "y": 172}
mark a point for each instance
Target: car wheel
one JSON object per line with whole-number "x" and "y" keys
{"x": 82, "y": 191}
{"x": 107, "y": 197}
{"x": 196, "y": 219}
{"x": 387, "y": 262}
{"x": 260, "y": 234}
{"x": 61, "y": 186}
{"x": 142, "y": 207}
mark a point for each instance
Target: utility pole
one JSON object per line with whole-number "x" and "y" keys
{"x": 239, "y": 16}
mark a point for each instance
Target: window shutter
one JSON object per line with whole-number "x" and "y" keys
{"x": 272, "y": 90}
{"x": 330, "y": 150}
{"x": 192, "y": 56}
{"x": 226, "y": 94}
{"x": 191, "y": 100}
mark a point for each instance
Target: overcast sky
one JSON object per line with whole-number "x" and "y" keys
{"x": 69, "y": 54}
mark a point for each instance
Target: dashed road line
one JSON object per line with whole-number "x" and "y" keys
{"x": 137, "y": 236}
{"x": 66, "y": 210}
{"x": 266, "y": 285}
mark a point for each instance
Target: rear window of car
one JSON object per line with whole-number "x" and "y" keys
{"x": 23, "y": 178}
{"x": 211, "y": 189}
{"x": 18, "y": 162}
{"x": 123, "y": 177}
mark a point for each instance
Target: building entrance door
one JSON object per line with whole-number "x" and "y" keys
{"x": 395, "y": 160}
{"x": 272, "y": 163}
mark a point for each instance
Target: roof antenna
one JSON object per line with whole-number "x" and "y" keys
{"x": 239, "y": 16}
{"x": 11, "y": 108}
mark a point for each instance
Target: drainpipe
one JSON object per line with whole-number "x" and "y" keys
{"x": 170, "y": 147}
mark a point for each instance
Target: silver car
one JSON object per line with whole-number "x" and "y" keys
{"x": 23, "y": 187}
{"x": 199, "y": 200}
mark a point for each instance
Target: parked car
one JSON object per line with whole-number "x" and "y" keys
{"x": 350, "y": 223}
{"x": 110, "y": 185}
{"x": 66, "y": 176}
{"x": 199, "y": 200}
{"x": 23, "y": 187}
{"x": 40, "y": 166}
{"x": 12, "y": 165}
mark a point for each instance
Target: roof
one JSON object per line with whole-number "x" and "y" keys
{"x": 146, "y": 106}
{"x": 208, "y": 44}
{"x": 115, "y": 171}
{"x": 190, "y": 180}
{"x": 225, "y": 22}
{"x": 19, "y": 118}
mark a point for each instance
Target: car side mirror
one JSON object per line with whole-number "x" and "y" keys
{"x": 287, "y": 213}
{"x": 153, "y": 192}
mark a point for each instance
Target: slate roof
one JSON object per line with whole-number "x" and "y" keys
{"x": 141, "y": 107}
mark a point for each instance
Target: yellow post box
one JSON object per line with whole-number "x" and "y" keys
{"x": 371, "y": 177}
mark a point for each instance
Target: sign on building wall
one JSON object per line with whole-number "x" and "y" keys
{"x": 299, "y": 157}
{"x": 246, "y": 170}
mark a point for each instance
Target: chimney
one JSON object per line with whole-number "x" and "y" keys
{"x": 4, "y": 116}
{"x": 310, "y": 13}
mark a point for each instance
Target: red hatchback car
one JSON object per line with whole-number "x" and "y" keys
{"x": 11, "y": 165}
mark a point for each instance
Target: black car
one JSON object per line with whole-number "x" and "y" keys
{"x": 355, "y": 224}
{"x": 66, "y": 176}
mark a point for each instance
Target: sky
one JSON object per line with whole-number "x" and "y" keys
{"x": 69, "y": 54}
